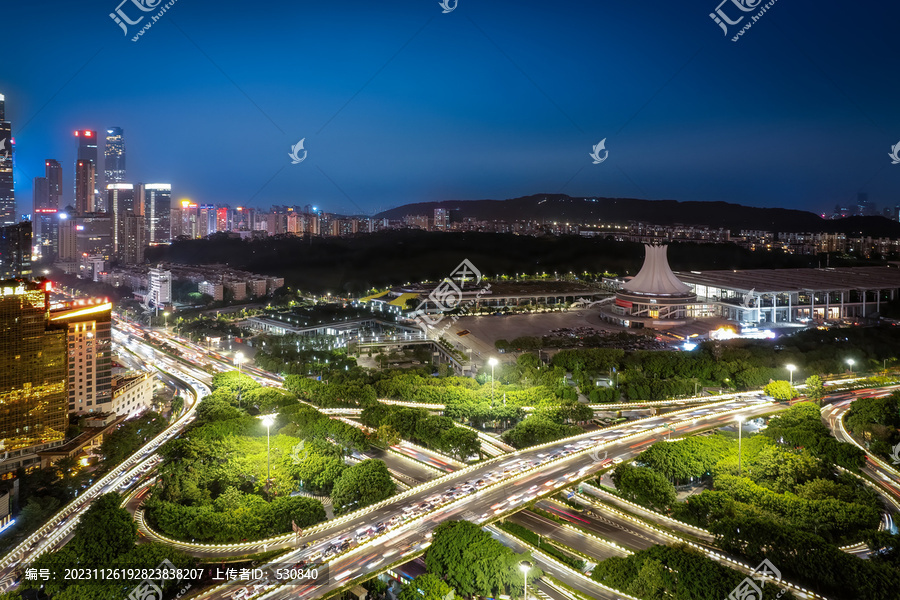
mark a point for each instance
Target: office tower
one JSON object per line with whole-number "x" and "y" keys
{"x": 53, "y": 173}
{"x": 93, "y": 235}
{"x": 114, "y": 156}
{"x": 160, "y": 289}
{"x": 46, "y": 232}
{"x": 242, "y": 219}
{"x": 120, "y": 200}
{"x": 15, "y": 251}
{"x": 87, "y": 324}
{"x": 32, "y": 374}
{"x": 86, "y": 171}
{"x": 41, "y": 193}
{"x": 131, "y": 240}
{"x": 68, "y": 248}
{"x": 40, "y": 202}
{"x": 156, "y": 200}
{"x": 7, "y": 184}
{"x": 85, "y": 178}
{"x": 441, "y": 219}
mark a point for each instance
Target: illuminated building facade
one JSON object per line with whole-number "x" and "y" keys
{"x": 156, "y": 199}
{"x": 88, "y": 328}
{"x": 32, "y": 374}
{"x": 15, "y": 251}
{"x": 7, "y": 186}
{"x": 114, "y": 156}
{"x": 53, "y": 173}
{"x": 86, "y": 171}
{"x": 46, "y": 235}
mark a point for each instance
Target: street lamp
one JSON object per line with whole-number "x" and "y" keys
{"x": 740, "y": 421}
{"x": 493, "y": 362}
{"x": 791, "y": 368}
{"x": 525, "y": 566}
{"x": 267, "y": 421}
{"x": 166, "y": 319}
{"x": 851, "y": 362}
{"x": 238, "y": 360}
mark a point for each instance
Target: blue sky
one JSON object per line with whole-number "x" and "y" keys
{"x": 401, "y": 103}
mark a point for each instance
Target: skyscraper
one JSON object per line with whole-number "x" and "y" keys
{"x": 441, "y": 219}
{"x": 89, "y": 354}
{"x": 131, "y": 239}
{"x": 86, "y": 171}
{"x": 114, "y": 156}
{"x": 120, "y": 200}
{"x": 53, "y": 173}
{"x": 15, "y": 250}
{"x": 156, "y": 199}
{"x": 32, "y": 372}
{"x": 41, "y": 193}
{"x": 46, "y": 232}
{"x": 7, "y": 186}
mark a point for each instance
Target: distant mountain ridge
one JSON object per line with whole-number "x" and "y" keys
{"x": 563, "y": 208}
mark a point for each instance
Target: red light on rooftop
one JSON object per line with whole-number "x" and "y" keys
{"x": 77, "y": 133}
{"x": 88, "y": 133}
{"x": 48, "y": 286}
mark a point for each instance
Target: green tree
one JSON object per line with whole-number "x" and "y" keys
{"x": 781, "y": 390}
{"x": 644, "y": 486}
{"x": 104, "y": 532}
{"x": 388, "y": 436}
{"x": 426, "y": 587}
{"x": 815, "y": 388}
{"x": 362, "y": 484}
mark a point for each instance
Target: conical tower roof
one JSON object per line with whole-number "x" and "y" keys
{"x": 656, "y": 277}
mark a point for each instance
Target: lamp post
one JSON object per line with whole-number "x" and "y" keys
{"x": 525, "y": 566}
{"x": 238, "y": 360}
{"x": 493, "y": 362}
{"x": 267, "y": 421}
{"x": 791, "y": 368}
{"x": 166, "y": 319}
{"x": 740, "y": 421}
{"x": 851, "y": 362}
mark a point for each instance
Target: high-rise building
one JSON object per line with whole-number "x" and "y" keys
{"x": 41, "y": 193}
{"x": 156, "y": 199}
{"x": 120, "y": 200}
{"x": 53, "y": 173}
{"x": 223, "y": 219}
{"x": 46, "y": 232}
{"x": 7, "y": 183}
{"x": 184, "y": 218}
{"x": 15, "y": 251}
{"x": 32, "y": 375}
{"x": 159, "y": 292}
{"x": 114, "y": 156}
{"x": 85, "y": 179}
{"x": 68, "y": 245}
{"x": 86, "y": 171}
{"x": 88, "y": 325}
{"x": 207, "y": 220}
{"x": 131, "y": 240}
{"x": 441, "y": 219}
{"x": 94, "y": 235}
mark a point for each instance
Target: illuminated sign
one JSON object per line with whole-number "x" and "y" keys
{"x": 12, "y": 291}
{"x": 624, "y": 303}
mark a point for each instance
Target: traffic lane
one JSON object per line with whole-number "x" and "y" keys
{"x": 410, "y": 468}
{"x": 499, "y": 493}
{"x": 552, "y": 530}
{"x": 582, "y": 585}
{"x": 608, "y": 526}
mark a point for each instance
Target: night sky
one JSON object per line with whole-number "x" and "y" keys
{"x": 401, "y": 103}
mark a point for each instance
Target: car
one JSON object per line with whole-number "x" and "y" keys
{"x": 617, "y": 460}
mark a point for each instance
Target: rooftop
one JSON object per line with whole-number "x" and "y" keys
{"x": 797, "y": 280}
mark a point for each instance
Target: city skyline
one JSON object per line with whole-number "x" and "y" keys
{"x": 406, "y": 104}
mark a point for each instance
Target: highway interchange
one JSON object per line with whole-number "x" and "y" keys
{"x": 356, "y": 546}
